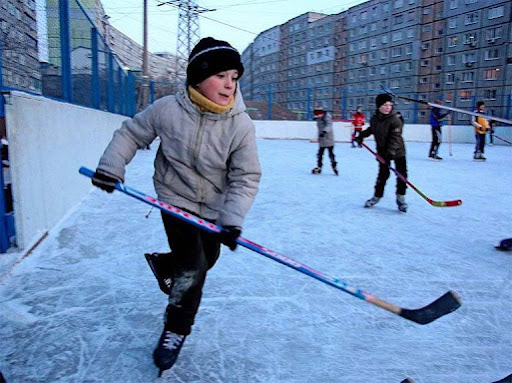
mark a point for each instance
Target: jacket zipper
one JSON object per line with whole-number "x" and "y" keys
{"x": 195, "y": 157}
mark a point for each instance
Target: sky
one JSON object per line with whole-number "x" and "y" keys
{"x": 85, "y": 307}
{"x": 235, "y": 21}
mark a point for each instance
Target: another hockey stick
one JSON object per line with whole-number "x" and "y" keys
{"x": 456, "y": 202}
{"x": 434, "y": 105}
{"x": 502, "y": 139}
{"x": 443, "y": 305}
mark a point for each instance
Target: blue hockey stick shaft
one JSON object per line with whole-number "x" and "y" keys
{"x": 443, "y": 305}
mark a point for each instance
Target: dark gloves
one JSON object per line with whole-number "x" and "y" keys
{"x": 104, "y": 181}
{"x": 228, "y": 236}
{"x": 322, "y": 135}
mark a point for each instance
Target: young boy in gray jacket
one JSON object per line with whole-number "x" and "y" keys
{"x": 325, "y": 139}
{"x": 206, "y": 164}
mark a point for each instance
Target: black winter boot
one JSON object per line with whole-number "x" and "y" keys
{"x": 316, "y": 170}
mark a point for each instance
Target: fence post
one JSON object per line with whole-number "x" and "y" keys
{"x": 131, "y": 98}
{"x": 65, "y": 50}
{"x": 308, "y": 106}
{"x": 415, "y": 113}
{"x": 507, "y": 110}
{"x": 110, "y": 91}
{"x": 95, "y": 69}
{"x": 344, "y": 105}
{"x": 151, "y": 92}
{"x": 120, "y": 92}
{"x": 269, "y": 102}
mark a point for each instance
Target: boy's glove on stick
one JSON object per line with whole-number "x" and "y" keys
{"x": 104, "y": 181}
{"x": 229, "y": 235}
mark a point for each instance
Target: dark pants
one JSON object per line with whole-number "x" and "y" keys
{"x": 436, "y": 140}
{"x": 355, "y": 134}
{"x": 320, "y": 155}
{"x": 480, "y": 143}
{"x": 194, "y": 252}
{"x": 401, "y": 167}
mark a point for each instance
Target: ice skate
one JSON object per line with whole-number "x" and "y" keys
{"x": 400, "y": 201}
{"x": 316, "y": 170}
{"x": 167, "y": 351}
{"x": 372, "y": 201}
{"x": 335, "y": 167}
{"x": 161, "y": 265}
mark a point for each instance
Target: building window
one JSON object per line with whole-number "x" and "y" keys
{"x": 468, "y": 76}
{"x": 492, "y": 54}
{"x": 452, "y": 41}
{"x": 466, "y": 95}
{"x": 494, "y": 13}
{"x": 471, "y": 18}
{"x": 491, "y": 74}
{"x": 490, "y": 94}
{"x": 450, "y": 78}
{"x": 453, "y": 4}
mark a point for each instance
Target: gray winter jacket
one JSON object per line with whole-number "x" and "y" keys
{"x": 325, "y": 131}
{"x": 206, "y": 163}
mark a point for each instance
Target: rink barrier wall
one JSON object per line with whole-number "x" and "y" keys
{"x": 50, "y": 140}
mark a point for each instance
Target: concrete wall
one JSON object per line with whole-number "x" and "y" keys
{"x": 50, "y": 140}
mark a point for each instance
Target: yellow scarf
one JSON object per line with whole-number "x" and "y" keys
{"x": 205, "y": 104}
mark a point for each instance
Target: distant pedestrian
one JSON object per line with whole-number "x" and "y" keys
{"x": 481, "y": 125}
{"x": 436, "y": 122}
{"x": 387, "y": 127}
{"x": 357, "y": 125}
{"x": 325, "y": 139}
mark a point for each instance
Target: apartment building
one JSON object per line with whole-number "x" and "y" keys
{"x": 456, "y": 50}
{"x": 19, "y": 63}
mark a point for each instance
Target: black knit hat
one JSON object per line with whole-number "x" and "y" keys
{"x": 382, "y": 98}
{"x": 209, "y": 57}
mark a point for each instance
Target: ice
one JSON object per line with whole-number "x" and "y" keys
{"x": 85, "y": 307}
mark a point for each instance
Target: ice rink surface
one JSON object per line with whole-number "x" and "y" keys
{"x": 85, "y": 307}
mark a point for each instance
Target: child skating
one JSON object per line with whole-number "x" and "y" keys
{"x": 386, "y": 127}
{"x": 207, "y": 164}
{"x": 325, "y": 139}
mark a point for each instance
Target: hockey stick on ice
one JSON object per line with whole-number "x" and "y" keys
{"x": 434, "y": 105}
{"x": 441, "y": 306}
{"x": 455, "y": 202}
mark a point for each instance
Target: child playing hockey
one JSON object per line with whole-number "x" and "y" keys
{"x": 387, "y": 130}
{"x": 325, "y": 139}
{"x": 207, "y": 164}
{"x": 357, "y": 123}
{"x": 481, "y": 126}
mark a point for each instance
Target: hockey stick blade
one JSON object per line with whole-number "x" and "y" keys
{"x": 284, "y": 260}
{"x": 444, "y": 305}
{"x": 458, "y": 110}
{"x": 450, "y": 203}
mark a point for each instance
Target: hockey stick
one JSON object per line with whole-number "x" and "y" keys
{"x": 434, "y": 105}
{"x": 455, "y": 202}
{"x": 443, "y": 305}
{"x": 502, "y": 139}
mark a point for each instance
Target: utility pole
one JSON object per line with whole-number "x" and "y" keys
{"x": 188, "y": 30}
{"x": 143, "y": 97}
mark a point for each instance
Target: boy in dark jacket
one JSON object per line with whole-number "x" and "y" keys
{"x": 387, "y": 130}
{"x": 206, "y": 164}
{"x": 436, "y": 117}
